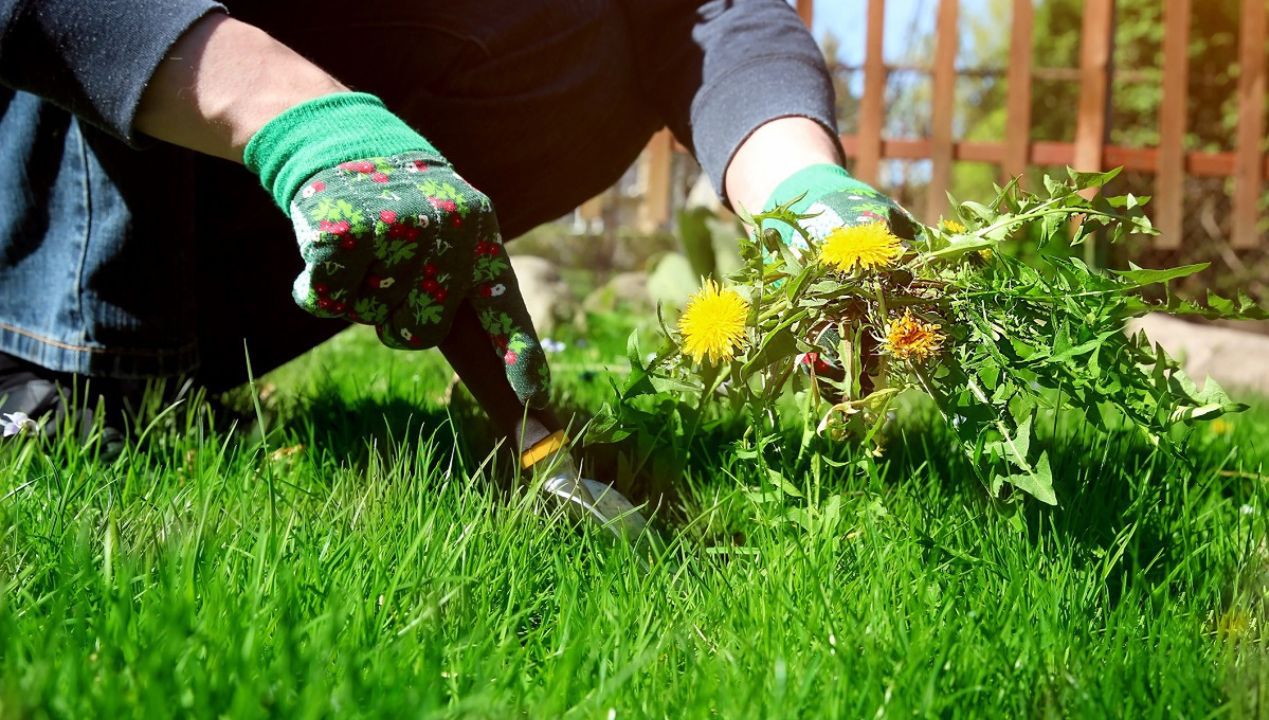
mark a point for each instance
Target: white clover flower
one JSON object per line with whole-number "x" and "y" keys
{"x": 18, "y": 422}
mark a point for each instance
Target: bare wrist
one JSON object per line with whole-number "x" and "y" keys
{"x": 772, "y": 153}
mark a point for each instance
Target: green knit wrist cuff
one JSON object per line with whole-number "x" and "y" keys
{"x": 814, "y": 181}
{"x": 322, "y": 133}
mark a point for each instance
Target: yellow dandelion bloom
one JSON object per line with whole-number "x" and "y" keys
{"x": 911, "y": 338}
{"x": 868, "y": 246}
{"x": 952, "y": 226}
{"x": 713, "y": 324}
{"x": 1221, "y": 426}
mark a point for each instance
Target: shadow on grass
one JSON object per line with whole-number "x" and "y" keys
{"x": 1119, "y": 499}
{"x": 646, "y": 470}
{"x": 352, "y": 432}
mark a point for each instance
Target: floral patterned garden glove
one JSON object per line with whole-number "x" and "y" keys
{"x": 390, "y": 234}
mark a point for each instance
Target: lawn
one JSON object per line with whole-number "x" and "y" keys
{"x": 369, "y": 557}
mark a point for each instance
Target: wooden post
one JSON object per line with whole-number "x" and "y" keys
{"x": 1095, "y": 48}
{"x": 1251, "y": 129}
{"x": 806, "y": 9}
{"x": 592, "y": 209}
{"x": 654, "y": 210}
{"x": 944, "y": 102}
{"x": 1018, "y": 118}
{"x": 871, "y": 106}
{"x": 1169, "y": 187}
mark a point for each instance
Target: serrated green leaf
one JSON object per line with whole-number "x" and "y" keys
{"x": 1038, "y": 483}
{"x": 782, "y": 484}
{"x": 777, "y": 345}
{"x": 1146, "y": 276}
{"x": 1088, "y": 180}
{"x": 1015, "y": 445}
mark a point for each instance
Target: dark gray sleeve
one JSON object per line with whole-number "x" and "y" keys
{"x": 92, "y": 57}
{"x": 719, "y": 69}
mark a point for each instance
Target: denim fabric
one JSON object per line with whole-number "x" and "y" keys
{"x": 123, "y": 263}
{"x": 92, "y": 282}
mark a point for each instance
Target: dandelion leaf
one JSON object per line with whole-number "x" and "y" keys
{"x": 1144, "y": 276}
{"x": 1038, "y": 483}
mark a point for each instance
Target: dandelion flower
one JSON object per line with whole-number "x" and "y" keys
{"x": 910, "y": 338}
{"x": 713, "y": 324}
{"x": 952, "y": 226}
{"x": 868, "y": 246}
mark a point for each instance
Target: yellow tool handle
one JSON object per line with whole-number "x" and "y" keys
{"x": 543, "y": 449}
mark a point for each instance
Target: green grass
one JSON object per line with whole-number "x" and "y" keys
{"x": 370, "y": 560}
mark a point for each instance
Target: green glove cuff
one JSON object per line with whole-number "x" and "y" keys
{"x": 814, "y": 181}
{"x": 319, "y": 134}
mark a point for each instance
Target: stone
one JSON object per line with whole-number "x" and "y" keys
{"x": 673, "y": 281}
{"x": 546, "y": 295}
{"x": 1236, "y": 359}
{"x": 623, "y": 290}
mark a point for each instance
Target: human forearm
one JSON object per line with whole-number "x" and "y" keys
{"x": 774, "y": 152}
{"x": 402, "y": 252}
{"x": 221, "y": 82}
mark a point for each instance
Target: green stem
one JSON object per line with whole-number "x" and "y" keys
{"x": 934, "y": 394}
{"x": 1041, "y": 212}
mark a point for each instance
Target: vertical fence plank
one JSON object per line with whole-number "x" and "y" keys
{"x": 1018, "y": 117}
{"x": 872, "y": 105}
{"x": 944, "y": 102}
{"x": 1095, "y": 47}
{"x": 1248, "y": 176}
{"x": 806, "y": 8}
{"x": 655, "y": 172}
{"x": 1169, "y": 183}
{"x": 592, "y": 209}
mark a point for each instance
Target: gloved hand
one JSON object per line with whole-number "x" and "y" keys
{"x": 390, "y": 234}
{"x": 838, "y": 200}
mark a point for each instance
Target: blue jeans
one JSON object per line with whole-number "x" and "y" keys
{"x": 130, "y": 263}
{"x": 89, "y": 284}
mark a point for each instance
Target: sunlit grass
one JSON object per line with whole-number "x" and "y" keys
{"x": 368, "y": 559}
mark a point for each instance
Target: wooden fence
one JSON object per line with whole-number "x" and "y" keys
{"x": 1089, "y": 150}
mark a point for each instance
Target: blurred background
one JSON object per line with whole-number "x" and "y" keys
{"x": 938, "y": 96}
